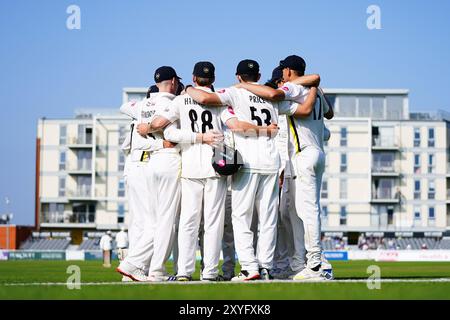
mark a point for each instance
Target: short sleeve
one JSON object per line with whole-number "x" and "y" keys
{"x": 225, "y": 96}
{"x": 227, "y": 114}
{"x": 130, "y": 109}
{"x": 294, "y": 92}
{"x": 287, "y": 107}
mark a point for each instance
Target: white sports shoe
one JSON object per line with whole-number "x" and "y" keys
{"x": 132, "y": 272}
{"x": 327, "y": 268}
{"x": 310, "y": 275}
{"x": 246, "y": 276}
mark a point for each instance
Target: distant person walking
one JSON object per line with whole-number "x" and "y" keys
{"x": 106, "y": 247}
{"x": 122, "y": 243}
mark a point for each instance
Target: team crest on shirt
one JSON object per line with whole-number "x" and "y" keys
{"x": 221, "y": 91}
{"x": 230, "y": 110}
{"x": 147, "y": 114}
{"x": 285, "y": 88}
{"x": 133, "y": 103}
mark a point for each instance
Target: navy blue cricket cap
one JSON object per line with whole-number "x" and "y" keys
{"x": 204, "y": 69}
{"x": 247, "y": 66}
{"x": 165, "y": 73}
{"x": 277, "y": 74}
{"x": 294, "y": 62}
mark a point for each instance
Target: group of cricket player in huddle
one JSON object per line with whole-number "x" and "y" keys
{"x": 177, "y": 198}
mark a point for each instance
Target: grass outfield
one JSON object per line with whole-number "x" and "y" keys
{"x": 46, "y": 280}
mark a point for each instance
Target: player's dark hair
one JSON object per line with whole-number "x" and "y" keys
{"x": 204, "y": 82}
{"x": 271, "y": 84}
{"x": 249, "y": 77}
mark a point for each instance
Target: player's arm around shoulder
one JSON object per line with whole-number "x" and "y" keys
{"x": 305, "y": 109}
{"x": 203, "y": 97}
{"x": 263, "y": 91}
{"x": 246, "y": 128}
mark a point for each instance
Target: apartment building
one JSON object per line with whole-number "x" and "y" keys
{"x": 388, "y": 170}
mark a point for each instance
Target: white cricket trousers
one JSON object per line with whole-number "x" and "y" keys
{"x": 163, "y": 196}
{"x": 290, "y": 249}
{"x": 310, "y": 165}
{"x": 260, "y": 192}
{"x": 138, "y": 205}
{"x": 199, "y": 196}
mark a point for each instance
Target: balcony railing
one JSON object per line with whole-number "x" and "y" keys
{"x": 384, "y": 167}
{"x": 384, "y": 142}
{"x": 86, "y": 166}
{"x": 383, "y": 194}
{"x": 80, "y": 140}
{"x": 84, "y": 192}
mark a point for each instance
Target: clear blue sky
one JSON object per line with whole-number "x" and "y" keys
{"x": 48, "y": 71}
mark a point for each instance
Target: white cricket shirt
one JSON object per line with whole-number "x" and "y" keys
{"x": 259, "y": 153}
{"x": 196, "y": 158}
{"x": 308, "y": 130}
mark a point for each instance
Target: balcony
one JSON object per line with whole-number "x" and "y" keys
{"x": 388, "y": 143}
{"x": 80, "y": 142}
{"x": 385, "y": 169}
{"x": 385, "y": 196}
{"x": 81, "y": 193}
{"x": 83, "y": 168}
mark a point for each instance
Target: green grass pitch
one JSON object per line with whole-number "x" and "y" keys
{"x": 46, "y": 280}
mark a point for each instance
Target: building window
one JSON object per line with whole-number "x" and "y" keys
{"x": 417, "y": 189}
{"x": 62, "y": 187}
{"x": 431, "y": 213}
{"x": 383, "y": 162}
{"x": 343, "y": 216}
{"x": 416, "y": 137}
{"x": 343, "y": 162}
{"x": 324, "y": 192}
{"x": 62, "y": 134}
{"x": 324, "y": 215}
{"x": 121, "y": 189}
{"x": 84, "y": 160}
{"x": 84, "y": 186}
{"x": 120, "y": 213}
{"x": 121, "y": 161}
{"x": 417, "y": 163}
{"x": 343, "y": 188}
{"x": 62, "y": 160}
{"x": 122, "y": 134}
{"x": 343, "y": 137}
{"x": 83, "y": 213}
{"x": 431, "y": 163}
{"x": 416, "y": 213}
{"x": 325, "y": 211}
{"x": 431, "y": 190}
{"x": 431, "y": 137}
